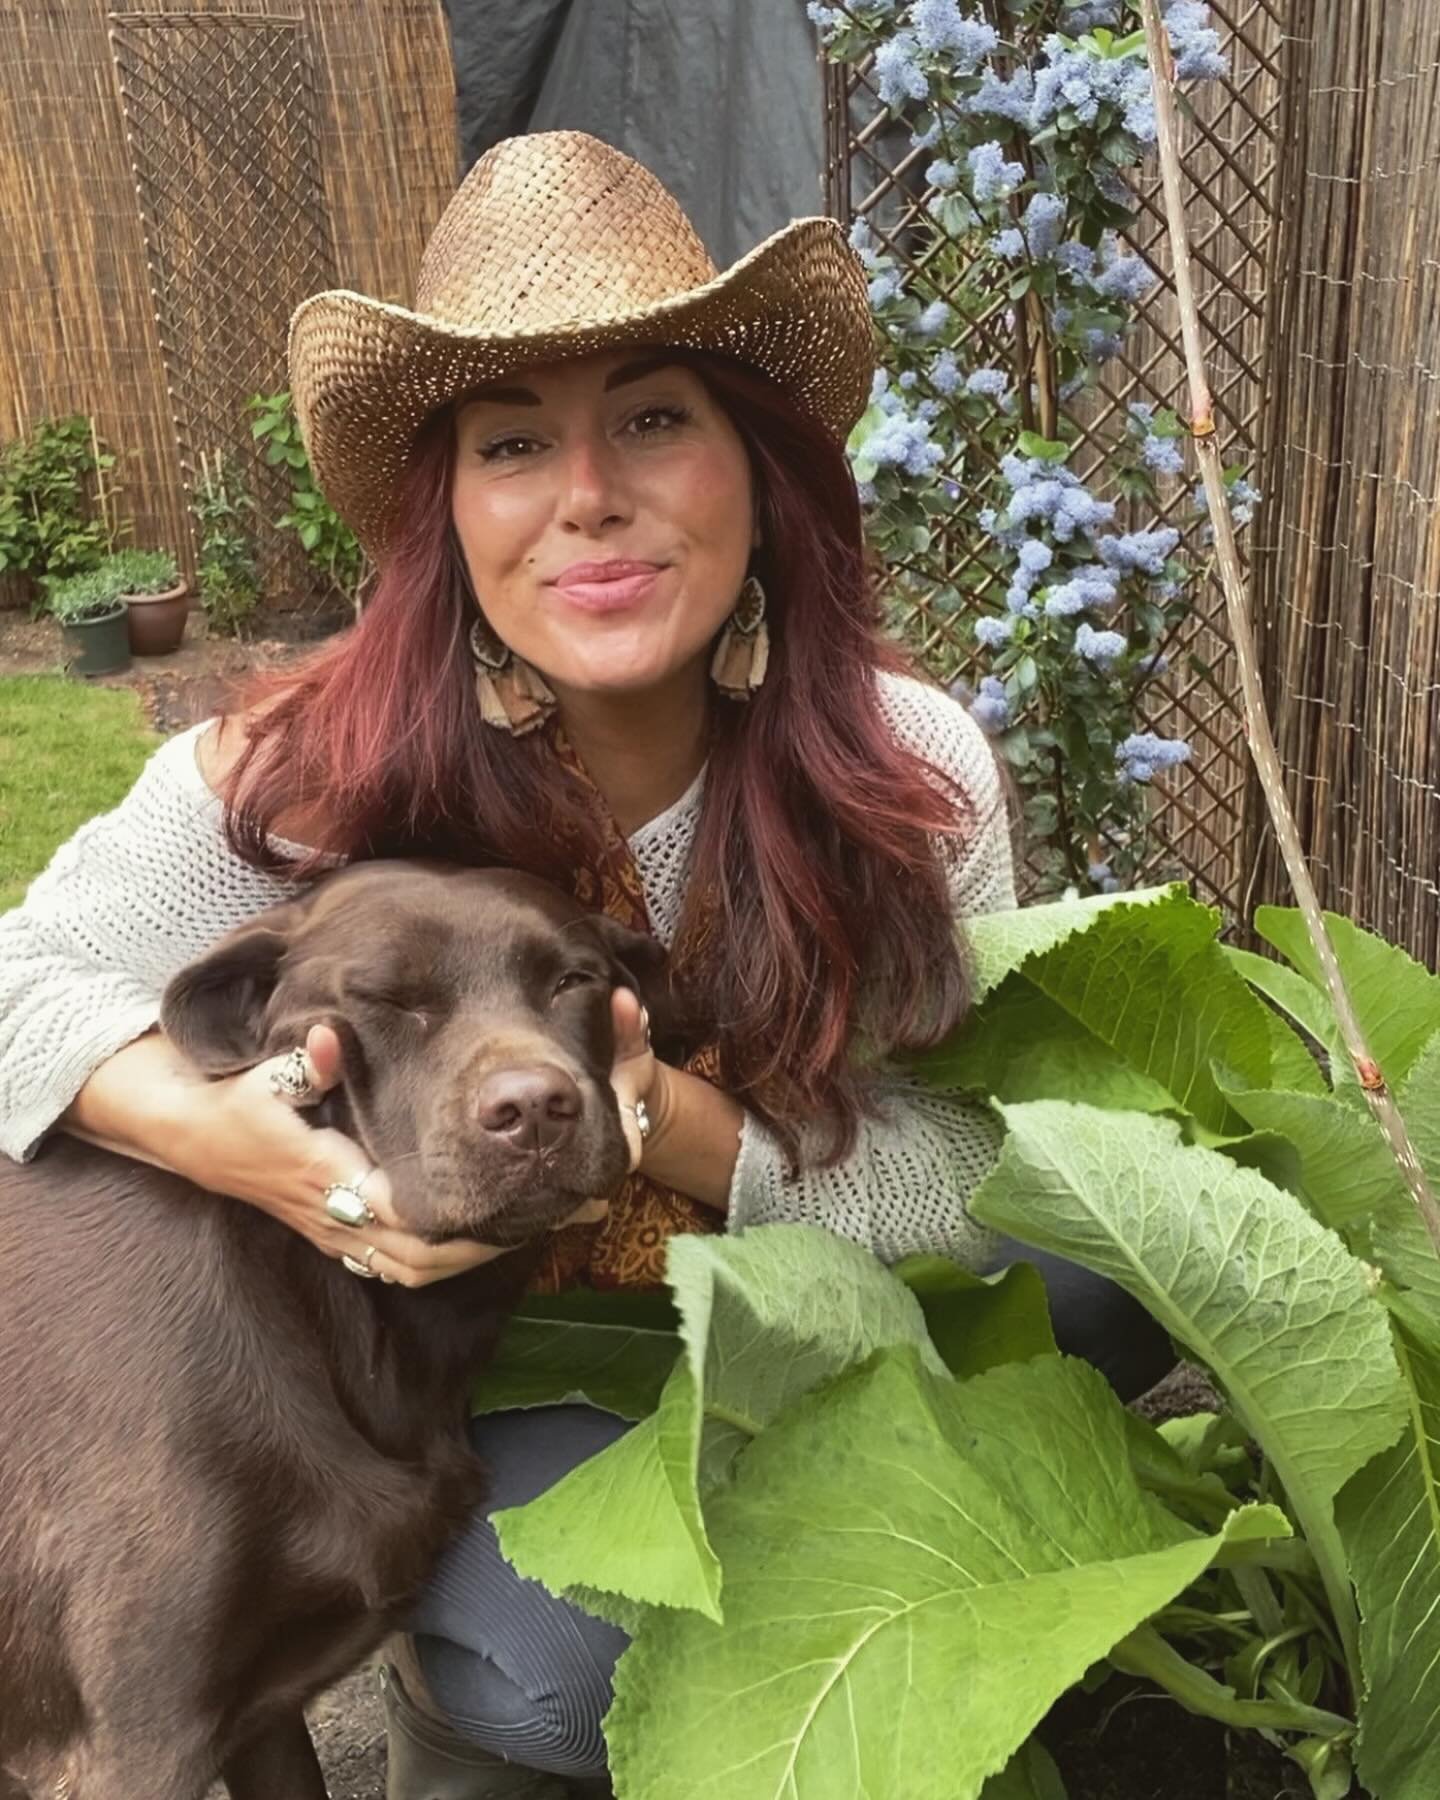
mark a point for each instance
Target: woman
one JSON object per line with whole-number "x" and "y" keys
{"x": 621, "y": 636}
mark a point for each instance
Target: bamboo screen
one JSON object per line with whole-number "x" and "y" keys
{"x": 1231, "y": 160}
{"x": 1349, "y": 577}
{"x": 235, "y": 223}
{"x": 255, "y": 179}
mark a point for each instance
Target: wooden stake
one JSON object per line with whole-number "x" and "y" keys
{"x": 1258, "y": 733}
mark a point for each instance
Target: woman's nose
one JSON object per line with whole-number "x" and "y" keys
{"x": 592, "y": 485}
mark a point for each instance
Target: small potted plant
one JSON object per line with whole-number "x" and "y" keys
{"x": 156, "y": 599}
{"x": 92, "y": 622}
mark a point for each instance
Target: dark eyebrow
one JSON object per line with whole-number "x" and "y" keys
{"x": 519, "y": 396}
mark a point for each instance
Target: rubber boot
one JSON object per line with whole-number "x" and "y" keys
{"x": 427, "y": 1759}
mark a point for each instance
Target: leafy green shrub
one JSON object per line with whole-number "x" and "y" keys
{"x": 46, "y": 530}
{"x": 228, "y": 574}
{"x": 81, "y": 598}
{"x": 869, "y": 1526}
{"x": 143, "y": 571}
{"x": 329, "y": 543}
{"x": 97, "y": 591}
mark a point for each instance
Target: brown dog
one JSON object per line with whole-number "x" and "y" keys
{"x": 225, "y": 1463}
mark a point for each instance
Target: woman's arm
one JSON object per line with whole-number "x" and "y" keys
{"x": 126, "y": 902}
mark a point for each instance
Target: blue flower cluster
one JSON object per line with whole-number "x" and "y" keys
{"x": 1051, "y": 494}
{"x": 898, "y": 74}
{"x": 991, "y": 177}
{"x": 993, "y": 384}
{"x": 1194, "y": 40}
{"x": 1142, "y": 755}
{"x": 1073, "y": 79}
{"x": 990, "y": 708}
{"x": 1102, "y": 647}
{"x": 992, "y": 631}
{"x": 1139, "y": 552}
{"x": 902, "y": 439}
{"x": 942, "y": 29}
{"x": 1091, "y": 587}
{"x": 1240, "y": 496}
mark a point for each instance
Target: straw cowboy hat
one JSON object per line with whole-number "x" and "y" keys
{"x": 556, "y": 244}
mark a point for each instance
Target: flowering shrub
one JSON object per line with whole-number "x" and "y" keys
{"x": 1031, "y": 114}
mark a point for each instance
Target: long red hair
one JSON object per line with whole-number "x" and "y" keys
{"x": 817, "y": 838}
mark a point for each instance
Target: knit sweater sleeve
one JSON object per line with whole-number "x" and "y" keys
{"x": 132, "y": 897}
{"x": 903, "y": 1189}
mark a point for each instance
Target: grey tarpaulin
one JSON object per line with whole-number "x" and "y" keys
{"x": 721, "y": 98}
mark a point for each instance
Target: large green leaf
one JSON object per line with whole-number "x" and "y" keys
{"x": 545, "y": 1357}
{"x": 979, "y": 1321}
{"x": 1002, "y": 942}
{"x": 1399, "y": 1241}
{"x": 764, "y": 1318}
{"x": 1021, "y": 1045}
{"x": 1346, "y": 1167}
{"x": 1289, "y": 990}
{"x": 1132, "y": 1004}
{"x": 915, "y": 1568}
{"x": 1153, "y": 983}
{"x": 1235, "y": 1270}
{"x": 1396, "y": 1000}
{"x": 1030, "y": 1774}
{"x": 1389, "y": 1519}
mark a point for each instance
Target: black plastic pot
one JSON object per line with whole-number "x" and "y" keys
{"x": 98, "y": 646}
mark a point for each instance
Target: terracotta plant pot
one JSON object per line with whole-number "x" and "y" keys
{"x": 98, "y": 646}
{"x": 157, "y": 621}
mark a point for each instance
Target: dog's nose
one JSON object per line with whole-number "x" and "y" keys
{"x": 534, "y": 1109}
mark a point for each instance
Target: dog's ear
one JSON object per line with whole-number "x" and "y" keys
{"x": 215, "y": 1009}
{"x": 643, "y": 965}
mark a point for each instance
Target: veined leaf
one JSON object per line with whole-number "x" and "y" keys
{"x": 1396, "y": 1000}
{"x": 764, "y": 1318}
{"x": 979, "y": 1321}
{"x": 1399, "y": 1241}
{"x": 1237, "y": 1271}
{"x": 1131, "y": 1003}
{"x": 1001, "y": 942}
{"x": 1030, "y": 1774}
{"x": 915, "y": 1568}
{"x": 1346, "y": 1166}
{"x": 1290, "y": 991}
{"x": 1021, "y": 1045}
{"x": 1389, "y": 1520}
{"x": 613, "y": 1351}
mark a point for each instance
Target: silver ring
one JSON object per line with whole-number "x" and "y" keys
{"x": 642, "y": 1117}
{"x": 290, "y": 1081}
{"x": 346, "y": 1205}
{"x": 362, "y": 1266}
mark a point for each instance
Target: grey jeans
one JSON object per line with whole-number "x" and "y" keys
{"x": 526, "y": 1675}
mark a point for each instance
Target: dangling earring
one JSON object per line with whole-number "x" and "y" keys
{"x": 513, "y": 697}
{"x": 743, "y": 652}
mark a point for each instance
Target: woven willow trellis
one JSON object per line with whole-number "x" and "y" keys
{"x": 220, "y": 119}
{"x": 1231, "y": 163}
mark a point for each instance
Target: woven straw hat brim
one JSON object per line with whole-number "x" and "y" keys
{"x": 365, "y": 374}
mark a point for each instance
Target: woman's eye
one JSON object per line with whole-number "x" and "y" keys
{"x": 498, "y": 450}
{"x": 671, "y": 415}
{"x": 650, "y": 421}
{"x": 574, "y": 979}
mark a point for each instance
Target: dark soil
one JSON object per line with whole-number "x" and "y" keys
{"x": 204, "y": 676}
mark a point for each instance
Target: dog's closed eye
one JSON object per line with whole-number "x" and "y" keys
{"x": 577, "y": 978}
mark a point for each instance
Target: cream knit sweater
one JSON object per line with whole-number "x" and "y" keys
{"x": 140, "y": 891}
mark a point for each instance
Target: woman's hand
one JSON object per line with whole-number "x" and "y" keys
{"x": 636, "y": 1074}
{"x": 237, "y": 1136}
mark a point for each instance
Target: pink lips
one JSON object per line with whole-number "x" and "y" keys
{"x": 606, "y": 586}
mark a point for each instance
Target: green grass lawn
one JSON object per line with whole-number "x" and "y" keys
{"x": 67, "y": 752}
